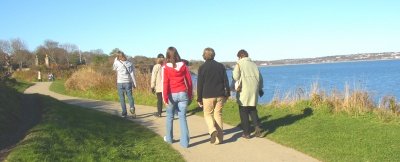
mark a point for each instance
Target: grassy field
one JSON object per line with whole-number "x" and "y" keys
{"x": 316, "y": 131}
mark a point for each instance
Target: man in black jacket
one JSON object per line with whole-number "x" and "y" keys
{"x": 212, "y": 92}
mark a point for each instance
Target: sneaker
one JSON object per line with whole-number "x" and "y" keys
{"x": 132, "y": 110}
{"x": 165, "y": 138}
{"x": 213, "y": 137}
{"x": 156, "y": 114}
{"x": 123, "y": 116}
{"x": 258, "y": 132}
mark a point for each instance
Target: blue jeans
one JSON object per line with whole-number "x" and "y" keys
{"x": 122, "y": 89}
{"x": 178, "y": 102}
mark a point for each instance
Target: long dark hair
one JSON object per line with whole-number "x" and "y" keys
{"x": 173, "y": 56}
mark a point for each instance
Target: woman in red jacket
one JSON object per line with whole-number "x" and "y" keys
{"x": 177, "y": 94}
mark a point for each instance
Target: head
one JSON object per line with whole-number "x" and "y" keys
{"x": 172, "y": 56}
{"x": 160, "y": 59}
{"x": 208, "y": 54}
{"x": 121, "y": 56}
{"x": 242, "y": 53}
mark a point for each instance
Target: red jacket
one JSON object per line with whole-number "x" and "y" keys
{"x": 176, "y": 80}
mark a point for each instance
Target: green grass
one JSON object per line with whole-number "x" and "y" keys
{"x": 140, "y": 98}
{"x": 319, "y": 132}
{"x": 71, "y": 133}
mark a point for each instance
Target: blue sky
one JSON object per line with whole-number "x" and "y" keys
{"x": 268, "y": 30}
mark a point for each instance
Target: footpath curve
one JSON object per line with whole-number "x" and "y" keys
{"x": 234, "y": 148}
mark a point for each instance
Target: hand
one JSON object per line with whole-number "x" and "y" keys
{"x": 133, "y": 85}
{"x": 153, "y": 90}
{"x": 261, "y": 92}
{"x": 200, "y": 104}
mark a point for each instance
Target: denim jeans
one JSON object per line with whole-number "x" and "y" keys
{"x": 178, "y": 102}
{"x": 122, "y": 89}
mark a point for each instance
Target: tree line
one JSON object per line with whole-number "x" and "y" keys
{"x": 14, "y": 53}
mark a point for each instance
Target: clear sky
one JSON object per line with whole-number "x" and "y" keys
{"x": 267, "y": 29}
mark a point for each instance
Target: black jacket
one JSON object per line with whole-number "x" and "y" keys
{"x": 212, "y": 81}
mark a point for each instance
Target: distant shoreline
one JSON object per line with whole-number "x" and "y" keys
{"x": 349, "y": 61}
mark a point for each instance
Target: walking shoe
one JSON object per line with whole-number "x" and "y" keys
{"x": 213, "y": 137}
{"x": 165, "y": 138}
{"x": 123, "y": 116}
{"x": 245, "y": 136}
{"x": 258, "y": 132}
{"x": 132, "y": 110}
{"x": 156, "y": 114}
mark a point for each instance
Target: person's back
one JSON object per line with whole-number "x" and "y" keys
{"x": 212, "y": 92}
{"x": 125, "y": 82}
{"x": 249, "y": 73}
{"x": 212, "y": 79}
{"x": 177, "y": 94}
{"x": 176, "y": 77}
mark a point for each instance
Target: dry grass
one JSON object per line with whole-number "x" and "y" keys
{"x": 32, "y": 75}
{"x": 103, "y": 80}
{"x": 352, "y": 100}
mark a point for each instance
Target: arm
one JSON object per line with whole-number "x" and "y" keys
{"x": 165, "y": 86}
{"x": 188, "y": 78}
{"x": 226, "y": 83}
{"x": 154, "y": 76}
{"x": 236, "y": 72}
{"x": 115, "y": 66}
{"x": 200, "y": 81}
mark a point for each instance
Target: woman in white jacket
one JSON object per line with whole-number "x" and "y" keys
{"x": 125, "y": 82}
{"x": 156, "y": 83}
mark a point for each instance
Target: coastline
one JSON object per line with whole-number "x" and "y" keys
{"x": 348, "y": 61}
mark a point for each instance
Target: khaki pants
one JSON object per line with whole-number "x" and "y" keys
{"x": 213, "y": 116}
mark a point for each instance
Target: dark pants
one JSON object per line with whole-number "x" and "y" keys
{"x": 159, "y": 103}
{"x": 245, "y": 111}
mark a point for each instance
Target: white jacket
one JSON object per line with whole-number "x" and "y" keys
{"x": 125, "y": 71}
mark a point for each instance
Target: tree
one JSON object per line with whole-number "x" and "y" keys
{"x": 19, "y": 52}
{"x": 50, "y": 48}
{"x": 70, "y": 49}
{"x": 5, "y": 49}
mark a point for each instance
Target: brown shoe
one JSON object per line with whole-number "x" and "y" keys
{"x": 213, "y": 137}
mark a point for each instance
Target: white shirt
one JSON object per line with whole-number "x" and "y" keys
{"x": 125, "y": 71}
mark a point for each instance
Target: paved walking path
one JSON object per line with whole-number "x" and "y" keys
{"x": 234, "y": 148}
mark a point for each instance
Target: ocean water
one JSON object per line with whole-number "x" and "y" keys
{"x": 379, "y": 78}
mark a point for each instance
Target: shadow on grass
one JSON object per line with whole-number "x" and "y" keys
{"x": 270, "y": 126}
{"x": 194, "y": 111}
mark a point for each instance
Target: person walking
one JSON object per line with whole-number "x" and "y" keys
{"x": 250, "y": 87}
{"x": 156, "y": 85}
{"x": 212, "y": 92}
{"x": 177, "y": 94}
{"x": 39, "y": 76}
{"x": 125, "y": 82}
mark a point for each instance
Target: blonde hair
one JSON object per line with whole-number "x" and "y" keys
{"x": 208, "y": 54}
